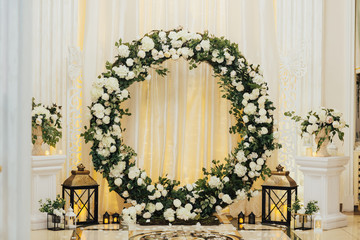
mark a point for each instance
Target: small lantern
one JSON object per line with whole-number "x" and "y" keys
{"x": 252, "y": 218}
{"x": 81, "y": 191}
{"x": 55, "y": 222}
{"x": 241, "y": 220}
{"x": 106, "y": 218}
{"x": 278, "y": 191}
{"x": 116, "y": 217}
{"x": 70, "y": 219}
{"x": 318, "y": 227}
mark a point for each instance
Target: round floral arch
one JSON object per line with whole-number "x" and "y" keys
{"x": 243, "y": 85}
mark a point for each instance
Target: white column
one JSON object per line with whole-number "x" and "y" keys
{"x": 44, "y": 170}
{"x": 15, "y": 119}
{"x": 322, "y": 183}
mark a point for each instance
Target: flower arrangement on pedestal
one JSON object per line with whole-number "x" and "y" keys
{"x": 324, "y": 124}
{"x": 242, "y": 84}
{"x": 46, "y": 126}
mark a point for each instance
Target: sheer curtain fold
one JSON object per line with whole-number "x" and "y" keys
{"x": 179, "y": 123}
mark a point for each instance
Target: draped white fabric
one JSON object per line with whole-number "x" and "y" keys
{"x": 179, "y": 123}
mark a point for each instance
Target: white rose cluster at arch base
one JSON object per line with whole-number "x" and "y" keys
{"x": 223, "y": 183}
{"x": 326, "y": 119}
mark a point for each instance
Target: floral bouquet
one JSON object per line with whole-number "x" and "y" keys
{"x": 323, "y": 123}
{"x": 46, "y": 123}
{"x": 55, "y": 207}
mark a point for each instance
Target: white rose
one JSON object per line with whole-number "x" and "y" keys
{"x": 150, "y": 207}
{"x": 264, "y": 130}
{"x": 150, "y": 188}
{"x": 141, "y": 54}
{"x": 240, "y": 87}
{"x": 140, "y": 182}
{"x": 96, "y": 93}
{"x": 226, "y": 199}
{"x": 112, "y": 149}
{"x": 118, "y": 182}
{"x": 147, "y": 215}
{"x": 189, "y": 187}
{"x": 262, "y": 112}
{"x": 336, "y": 124}
{"x": 106, "y": 119}
{"x": 157, "y": 194}
{"x": 252, "y": 128}
{"x": 245, "y": 119}
{"x": 129, "y": 62}
{"x": 188, "y": 206}
{"x": 252, "y": 165}
{"x": 215, "y": 182}
{"x": 130, "y": 75}
{"x": 143, "y": 175}
{"x": 164, "y": 193}
{"x": 159, "y": 206}
{"x": 312, "y": 119}
{"x": 322, "y": 115}
{"x": 260, "y": 161}
{"x": 205, "y": 44}
{"x": 105, "y": 96}
{"x": 232, "y": 73}
{"x": 125, "y": 194}
{"x": 251, "y": 174}
{"x": 177, "y": 203}
{"x": 147, "y": 44}
{"x": 162, "y": 35}
{"x": 226, "y": 179}
{"x": 123, "y": 51}
{"x": 124, "y": 93}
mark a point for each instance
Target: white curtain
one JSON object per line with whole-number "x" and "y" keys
{"x": 179, "y": 123}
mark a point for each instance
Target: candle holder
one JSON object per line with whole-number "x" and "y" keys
{"x": 241, "y": 221}
{"x": 55, "y": 223}
{"x": 116, "y": 218}
{"x": 303, "y": 221}
{"x": 106, "y": 218}
{"x": 252, "y": 218}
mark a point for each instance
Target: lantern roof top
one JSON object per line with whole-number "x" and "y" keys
{"x": 280, "y": 178}
{"x": 80, "y": 178}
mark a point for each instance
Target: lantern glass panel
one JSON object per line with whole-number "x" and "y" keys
{"x": 85, "y": 204}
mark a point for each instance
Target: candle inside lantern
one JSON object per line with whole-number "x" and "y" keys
{"x": 284, "y": 212}
{"x": 106, "y": 220}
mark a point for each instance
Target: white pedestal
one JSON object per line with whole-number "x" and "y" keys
{"x": 44, "y": 170}
{"x": 322, "y": 183}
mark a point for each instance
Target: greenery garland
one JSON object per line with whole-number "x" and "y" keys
{"x": 49, "y": 119}
{"x": 242, "y": 84}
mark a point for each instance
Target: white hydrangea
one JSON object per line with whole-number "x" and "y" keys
{"x": 240, "y": 194}
{"x": 134, "y": 172}
{"x": 99, "y": 110}
{"x": 150, "y": 207}
{"x": 95, "y": 93}
{"x": 122, "y": 71}
{"x": 250, "y": 109}
{"x": 240, "y": 170}
{"x": 147, "y": 44}
{"x": 123, "y": 51}
{"x": 141, "y": 54}
{"x": 215, "y": 182}
{"x": 129, "y": 215}
{"x": 169, "y": 215}
{"x": 184, "y": 214}
{"x": 117, "y": 170}
{"x": 240, "y": 156}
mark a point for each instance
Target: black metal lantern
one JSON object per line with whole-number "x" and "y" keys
{"x": 115, "y": 218}
{"x": 252, "y": 218}
{"x": 241, "y": 220}
{"x": 81, "y": 191}
{"x": 278, "y": 191}
{"x": 106, "y": 218}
